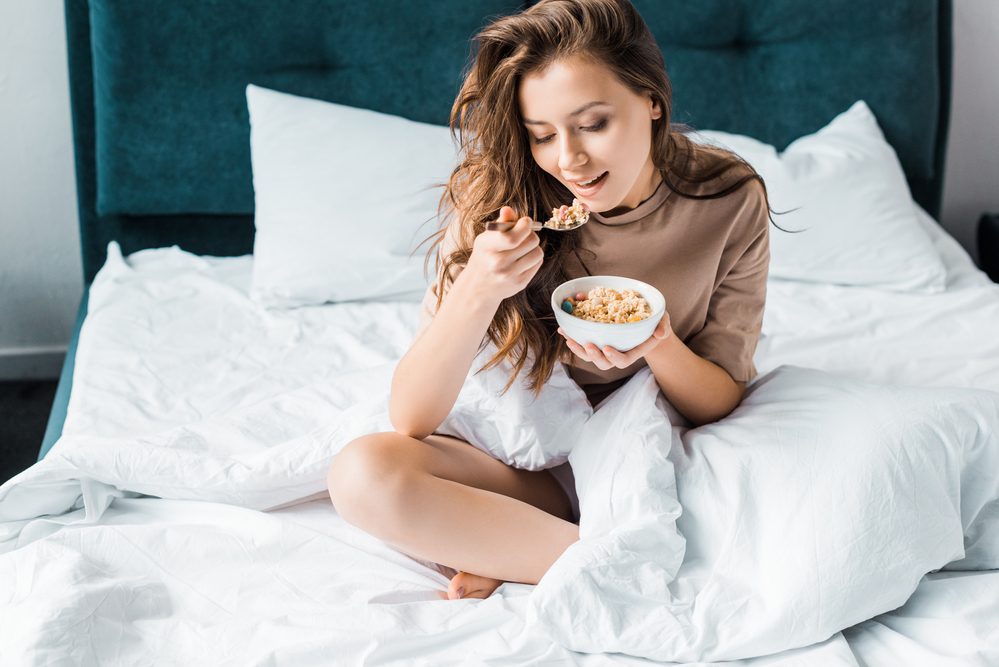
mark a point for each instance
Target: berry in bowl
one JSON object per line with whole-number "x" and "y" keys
{"x": 618, "y": 312}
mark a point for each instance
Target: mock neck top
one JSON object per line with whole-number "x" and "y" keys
{"x": 643, "y": 210}
{"x": 709, "y": 258}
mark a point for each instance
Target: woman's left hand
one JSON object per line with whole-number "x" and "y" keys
{"x": 607, "y": 357}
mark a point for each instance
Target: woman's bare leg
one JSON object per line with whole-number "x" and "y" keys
{"x": 442, "y": 499}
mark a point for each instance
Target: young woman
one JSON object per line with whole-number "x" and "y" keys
{"x": 568, "y": 99}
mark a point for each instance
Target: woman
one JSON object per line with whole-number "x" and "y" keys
{"x": 568, "y": 99}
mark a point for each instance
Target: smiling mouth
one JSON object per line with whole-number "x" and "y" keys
{"x": 590, "y": 184}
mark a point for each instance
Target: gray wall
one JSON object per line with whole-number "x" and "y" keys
{"x": 40, "y": 270}
{"x": 40, "y": 273}
{"x": 971, "y": 181}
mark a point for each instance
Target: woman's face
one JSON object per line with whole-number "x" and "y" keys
{"x": 575, "y": 140}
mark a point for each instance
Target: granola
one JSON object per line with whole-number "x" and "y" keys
{"x": 569, "y": 217}
{"x": 603, "y": 304}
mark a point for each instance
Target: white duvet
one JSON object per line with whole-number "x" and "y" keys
{"x": 820, "y": 503}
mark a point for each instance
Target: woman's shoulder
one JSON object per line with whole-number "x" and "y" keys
{"x": 716, "y": 171}
{"x": 728, "y": 201}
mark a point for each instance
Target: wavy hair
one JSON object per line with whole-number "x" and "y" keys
{"x": 496, "y": 166}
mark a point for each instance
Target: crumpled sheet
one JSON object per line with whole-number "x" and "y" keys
{"x": 820, "y": 502}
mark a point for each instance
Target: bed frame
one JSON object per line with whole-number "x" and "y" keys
{"x": 161, "y": 130}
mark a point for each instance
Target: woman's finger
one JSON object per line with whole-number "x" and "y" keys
{"x": 588, "y": 352}
{"x": 663, "y": 327}
{"x": 616, "y": 357}
{"x": 597, "y": 357}
{"x": 578, "y": 349}
{"x": 645, "y": 347}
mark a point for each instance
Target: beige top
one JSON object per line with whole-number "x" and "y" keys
{"x": 709, "y": 258}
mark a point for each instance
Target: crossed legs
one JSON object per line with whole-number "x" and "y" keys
{"x": 443, "y": 500}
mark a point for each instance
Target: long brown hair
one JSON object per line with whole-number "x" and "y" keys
{"x": 496, "y": 166}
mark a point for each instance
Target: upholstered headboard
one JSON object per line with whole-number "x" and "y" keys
{"x": 162, "y": 132}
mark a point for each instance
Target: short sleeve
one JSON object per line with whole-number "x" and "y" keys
{"x": 735, "y": 312}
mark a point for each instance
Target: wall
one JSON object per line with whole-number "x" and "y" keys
{"x": 971, "y": 181}
{"x": 40, "y": 272}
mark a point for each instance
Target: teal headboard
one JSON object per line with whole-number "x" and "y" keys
{"x": 162, "y": 133}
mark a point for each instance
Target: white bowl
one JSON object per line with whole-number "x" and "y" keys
{"x": 622, "y": 336}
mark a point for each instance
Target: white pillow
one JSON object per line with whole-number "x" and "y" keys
{"x": 342, "y": 195}
{"x": 855, "y": 206}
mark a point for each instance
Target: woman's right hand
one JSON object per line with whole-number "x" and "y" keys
{"x": 503, "y": 263}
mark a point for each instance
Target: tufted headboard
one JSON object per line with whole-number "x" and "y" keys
{"x": 161, "y": 129}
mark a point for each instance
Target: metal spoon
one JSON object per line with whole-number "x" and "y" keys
{"x": 555, "y": 222}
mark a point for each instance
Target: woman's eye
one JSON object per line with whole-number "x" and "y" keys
{"x": 590, "y": 128}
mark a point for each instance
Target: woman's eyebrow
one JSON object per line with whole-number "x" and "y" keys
{"x": 574, "y": 113}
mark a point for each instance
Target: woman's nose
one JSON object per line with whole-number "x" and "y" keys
{"x": 570, "y": 154}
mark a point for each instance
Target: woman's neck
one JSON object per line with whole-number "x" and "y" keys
{"x": 654, "y": 179}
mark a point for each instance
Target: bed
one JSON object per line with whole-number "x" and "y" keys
{"x": 177, "y": 513}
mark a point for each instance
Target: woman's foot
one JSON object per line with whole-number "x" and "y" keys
{"x": 467, "y": 585}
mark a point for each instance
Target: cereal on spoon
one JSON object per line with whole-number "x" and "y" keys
{"x": 569, "y": 217}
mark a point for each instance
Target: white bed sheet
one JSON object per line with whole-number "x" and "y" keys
{"x": 211, "y": 583}
{"x": 945, "y": 339}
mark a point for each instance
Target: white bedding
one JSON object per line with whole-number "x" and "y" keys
{"x": 178, "y": 372}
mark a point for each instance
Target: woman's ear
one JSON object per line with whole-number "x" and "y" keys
{"x": 655, "y": 108}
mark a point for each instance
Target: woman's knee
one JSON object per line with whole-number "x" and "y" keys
{"x": 369, "y": 474}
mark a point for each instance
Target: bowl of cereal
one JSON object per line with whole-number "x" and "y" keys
{"x": 617, "y": 311}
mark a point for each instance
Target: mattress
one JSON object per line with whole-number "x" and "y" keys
{"x": 171, "y": 339}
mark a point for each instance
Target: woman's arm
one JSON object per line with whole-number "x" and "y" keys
{"x": 700, "y": 390}
{"x": 698, "y": 375}
{"x": 430, "y": 375}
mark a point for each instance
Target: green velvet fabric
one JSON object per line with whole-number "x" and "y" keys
{"x": 162, "y": 132}
{"x": 780, "y": 69}
{"x": 169, "y": 79}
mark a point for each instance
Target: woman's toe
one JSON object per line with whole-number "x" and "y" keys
{"x": 466, "y": 585}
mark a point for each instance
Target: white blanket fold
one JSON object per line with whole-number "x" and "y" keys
{"x": 818, "y": 503}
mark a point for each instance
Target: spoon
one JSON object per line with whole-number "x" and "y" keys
{"x": 564, "y": 219}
